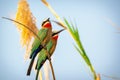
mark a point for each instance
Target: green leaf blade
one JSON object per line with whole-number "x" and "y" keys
{"x": 75, "y": 34}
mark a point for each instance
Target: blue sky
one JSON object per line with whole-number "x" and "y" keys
{"x": 99, "y": 38}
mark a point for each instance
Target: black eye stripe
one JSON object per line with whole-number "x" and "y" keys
{"x": 43, "y": 22}
{"x": 47, "y": 20}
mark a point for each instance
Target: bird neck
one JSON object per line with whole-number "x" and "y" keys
{"x": 47, "y": 25}
{"x": 55, "y": 37}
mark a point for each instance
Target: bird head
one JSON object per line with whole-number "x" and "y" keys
{"x": 46, "y": 23}
{"x": 55, "y": 34}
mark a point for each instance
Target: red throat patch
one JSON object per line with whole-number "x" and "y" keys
{"x": 55, "y": 37}
{"x": 47, "y": 25}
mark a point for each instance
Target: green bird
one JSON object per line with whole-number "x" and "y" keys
{"x": 50, "y": 48}
{"x": 44, "y": 35}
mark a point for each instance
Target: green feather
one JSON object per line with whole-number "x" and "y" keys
{"x": 49, "y": 45}
{"x": 43, "y": 55}
{"x": 42, "y": 35}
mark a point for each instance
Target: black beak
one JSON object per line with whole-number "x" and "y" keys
{"x": 54, "y": 33}
{"x": 48, "y": 19}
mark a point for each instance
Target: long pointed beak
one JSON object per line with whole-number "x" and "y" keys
{"x": 54, "y": 33}
{"x": 48, "y": 19}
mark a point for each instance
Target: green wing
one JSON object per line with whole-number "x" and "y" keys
{"x": 49, "y": 45}
{"x": 41, "y": 59}
{"x": 43, "y": 55}
{"x": 42, "y": 35}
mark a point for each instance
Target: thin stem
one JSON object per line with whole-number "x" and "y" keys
{"x": 111, "y": 77}
{"x": 53, "y": 74}
{"x": 50, "y": 62}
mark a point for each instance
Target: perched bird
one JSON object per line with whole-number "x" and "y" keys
{"x": 44, "y": 35}
{"x": 50, "y": 48}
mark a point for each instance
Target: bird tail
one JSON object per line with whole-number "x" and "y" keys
{"x": 30, "y": 66}
{"x": 37, "y": 74}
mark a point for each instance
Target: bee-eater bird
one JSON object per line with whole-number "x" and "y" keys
{"x": 44, "y": 34}
{"x": 50, "y": 48}
{"x": 38, "y": 44}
